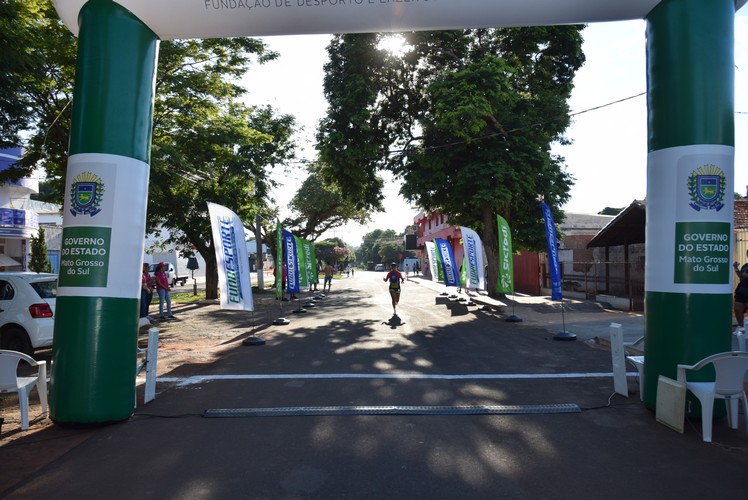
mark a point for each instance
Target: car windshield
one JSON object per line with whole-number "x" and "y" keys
{"x": 45, "y": 289}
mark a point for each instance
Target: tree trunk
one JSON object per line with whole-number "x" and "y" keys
{"x": 211, "y": 270}
{"x": 211, "y": 278}
{"x": 491, "y": 245}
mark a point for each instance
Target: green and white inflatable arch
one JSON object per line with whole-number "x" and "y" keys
{"x": 690, "y": 88}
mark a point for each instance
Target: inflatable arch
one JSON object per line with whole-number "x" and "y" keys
{"x": 690, "y": 86}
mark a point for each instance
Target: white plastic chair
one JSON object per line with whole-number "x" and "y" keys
{"x": 11, "y": 382}
{"x": 741, "y": 336}
{"x": 730, "y": 368}
{"x": 638, "y": 362}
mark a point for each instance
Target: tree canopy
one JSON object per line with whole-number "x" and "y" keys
{"x": 465, "y": 118}
{"x": 219, "y": 151}
{"x": 37, "y": 54}
{"x": 319, "y": 206}
{"x": 334, "y": 251}
{"x": 382, "y": 246}
{"x": 207, "y": 145}
{"x": 610, "y": 211}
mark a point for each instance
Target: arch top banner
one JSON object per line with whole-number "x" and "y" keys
{"x": 170, "y": 19}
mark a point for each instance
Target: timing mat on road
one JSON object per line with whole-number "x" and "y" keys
{"x": 306, "y": 411}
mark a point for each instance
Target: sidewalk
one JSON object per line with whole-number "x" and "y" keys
{"x": 586, "y": 319}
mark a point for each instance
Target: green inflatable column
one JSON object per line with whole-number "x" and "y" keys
{"x": 690, "y": 92}
{"x": 96, "y": 324}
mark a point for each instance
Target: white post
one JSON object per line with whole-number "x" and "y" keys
{"x": 150, "y": 366}
{"x": 620, "y": 385}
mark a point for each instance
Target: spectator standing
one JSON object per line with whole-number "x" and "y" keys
{"x": 146, "y": 291}
{"x": 163, "y": 289}
{"x": 741, "y": 293}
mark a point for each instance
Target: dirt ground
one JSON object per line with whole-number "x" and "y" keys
{"x": 196, "y": 338}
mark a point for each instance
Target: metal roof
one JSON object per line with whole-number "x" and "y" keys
{"x": 626, "y": 228}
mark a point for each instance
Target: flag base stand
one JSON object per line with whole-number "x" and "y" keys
{"x": 309, "y": 303}
{"x": 470, "y": 303}
{"x": 513, "y": 318}
{"x": 444, "y": 293}
{"x": 300, "y": 310}
{"x": 281, "y": 321}
{"x": 253, "y": 341}
{"x": 485, "y": 307}
{"x": 565, "y": 336}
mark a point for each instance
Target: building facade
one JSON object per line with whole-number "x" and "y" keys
{"x": 19, "y": 220}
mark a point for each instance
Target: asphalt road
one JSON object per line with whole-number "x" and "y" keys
{"x": 349, "y": 376}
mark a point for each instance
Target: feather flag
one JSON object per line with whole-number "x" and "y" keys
{"x": 473, "y": 265}
{"x": 292, "y": 262}
{"x": 301, "y": 259}
{"x": 278, "y": 260}
{"x": 232, "y": 259}
{"x": 553, "y": 263}
{"x": 434, "y": 267}
{"x": 447, "y": 260}
{"x": 310, "y": 261}
{"x": 505, "y": 283}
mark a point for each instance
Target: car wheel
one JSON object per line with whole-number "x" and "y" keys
{"x": 16, "y": 339}
{"x": 173, "y": 283}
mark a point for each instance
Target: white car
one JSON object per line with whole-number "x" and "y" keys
{"x": 27, "y": 309}
{"x": 171, "y": 274}
{"x": 379, "y": 267}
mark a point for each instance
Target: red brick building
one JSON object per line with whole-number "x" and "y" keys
{"x": 436, "y": 225}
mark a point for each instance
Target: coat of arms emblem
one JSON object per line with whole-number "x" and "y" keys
{"x": 86, "y": 193}
{"x": 706, "y": 188}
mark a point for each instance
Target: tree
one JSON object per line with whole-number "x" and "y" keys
{"x": 390, "y": 252}
{"x": 218, "y": 151}
{"x": 610, "y": 211}
{"x": 207, "y": 146}
{"x": 471, "y": 116}
{"x": 371, "y": 244}
{"x": 37, "y": 54}
{"x": 319, "y": 206}
{"x": 220, "y": 160}
{"x": 334, "y": 251}
{"x": 352, "y": 145}
{"x": 38, "y": 261}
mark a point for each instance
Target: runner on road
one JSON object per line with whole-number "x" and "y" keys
{"x": 395, "y": 278}
{"x": 327, "y": 285}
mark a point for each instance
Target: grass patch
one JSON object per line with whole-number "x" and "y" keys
{"x": 190, "y": 297}
{"x": 187, "y": 297}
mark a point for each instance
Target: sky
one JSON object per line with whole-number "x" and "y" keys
{"x": 608, "y": 154}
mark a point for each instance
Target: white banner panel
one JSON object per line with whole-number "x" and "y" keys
{"x": 103, "y": 235}
{"x": 473, "y": 258}
{"x": 171, "y": 19}
{"x": 231, "y": 256}
{"x": 431, "y": 255}
{"x": 690, "y": 206}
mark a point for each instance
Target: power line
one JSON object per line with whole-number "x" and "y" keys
{"x": 505, "y": 133}
{"x": 608, "y": 104}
